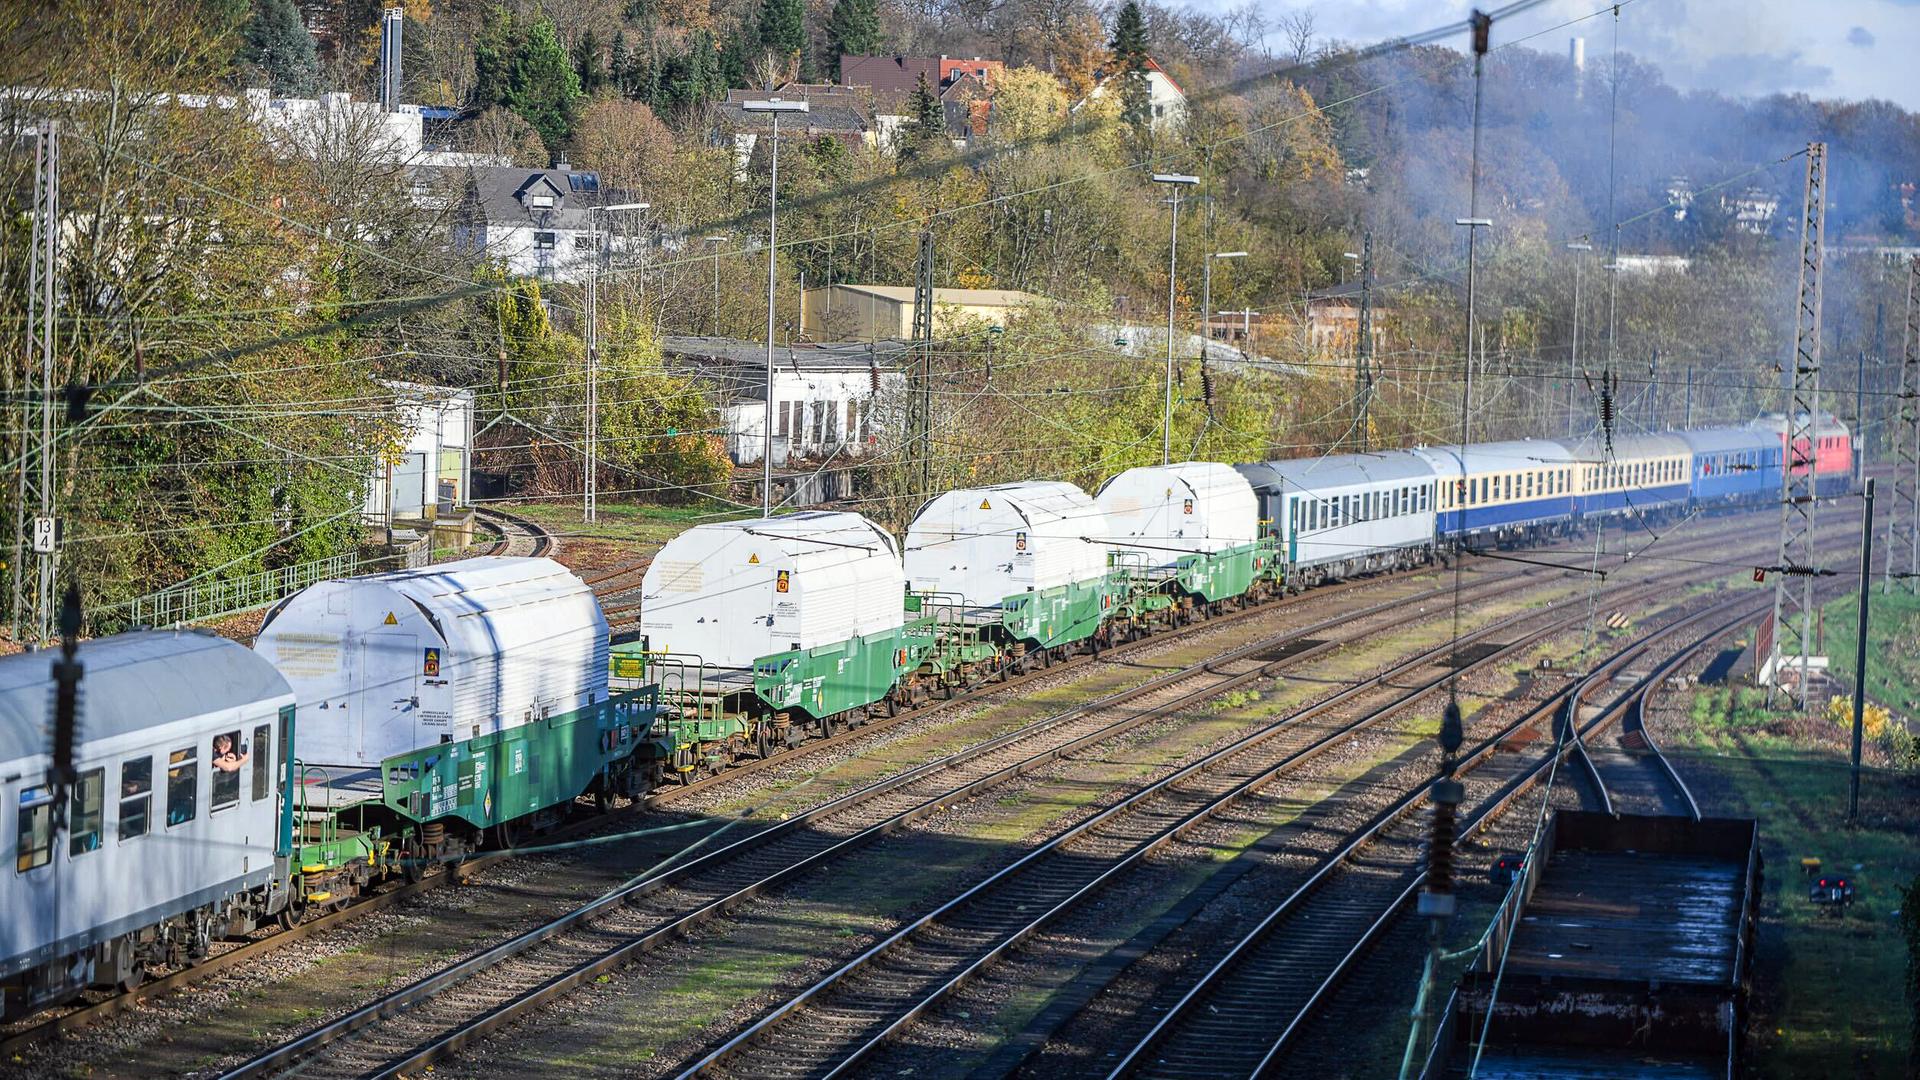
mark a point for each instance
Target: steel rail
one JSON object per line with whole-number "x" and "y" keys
{"x": 409, "y": 997}
{"x": 868, "y": 959}
{"x": 1186, "y": 1011}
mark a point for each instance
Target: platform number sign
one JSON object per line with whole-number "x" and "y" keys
{"x": 44, "y": 533}
{"x": 781, "y": 580}
{"x": 430, "y": 662}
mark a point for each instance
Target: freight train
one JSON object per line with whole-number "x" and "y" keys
{"x": 384, "y": 724}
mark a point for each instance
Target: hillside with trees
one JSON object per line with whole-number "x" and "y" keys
{"x": 240, "y": 300}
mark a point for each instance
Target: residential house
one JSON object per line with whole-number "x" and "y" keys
{"x": 1167, "y": 103}
{"x": 964, "y": 86}
{"x": 1333, "y": 321}
{"x": 1753, "y": 210}
{"x": 828, "y": 400}
{"x": 534, "y": 222}
{"x": 873, "y": 312}
{"x": 835, "y": 112}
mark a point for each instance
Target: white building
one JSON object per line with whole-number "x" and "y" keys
{"x": 428, "y": 467}
{"x": 534, "y": 222}
{"x": 1167, "y": 102}
{"x": 828, "y": 400}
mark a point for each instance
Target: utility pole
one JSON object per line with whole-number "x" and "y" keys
{"x": 1177, "y": 181}
{"x": 588, "y": 493}
{"x": 36, "y": 529}
{"x": 1903, "y": 524}
{"x": 1363, "y": 363}
{"x": 775, "y": 107}
{"x": 1579, "y": 250}
{"x": 1793, "y": 605}
{"x": 1688, "y": 421}
{"x": 1860, "y": 657}
{"x": 920, "y": 402}
{"x": 1653, "y": 391}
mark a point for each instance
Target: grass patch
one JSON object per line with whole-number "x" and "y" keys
{"x": 1829, "y": 991}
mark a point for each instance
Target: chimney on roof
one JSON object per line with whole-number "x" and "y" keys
{"x": 391, "y": 20}
{"x": 1577, "y": 53}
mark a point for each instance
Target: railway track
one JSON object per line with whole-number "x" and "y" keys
{"x": 832, "y": 1026}
{"x": 72, "y": 1018}
{"x": 76, "y": 1018}
{"x": 1246, "y": 1013}
{"x": 519, "y": 536}
{"x": 448, "y": 1011}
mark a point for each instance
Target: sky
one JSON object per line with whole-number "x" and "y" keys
{"x": 1849, "y": 49}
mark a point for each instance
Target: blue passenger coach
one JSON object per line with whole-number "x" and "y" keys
{"x": 1733, "y": 464}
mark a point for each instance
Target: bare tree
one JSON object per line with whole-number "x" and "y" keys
{"x": 1297, "y": 27}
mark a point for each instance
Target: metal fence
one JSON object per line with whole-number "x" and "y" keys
{"x": 197, "y": 601}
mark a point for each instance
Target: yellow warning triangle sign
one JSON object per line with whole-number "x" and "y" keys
{"x": 753, "y": 560}
{"x": 985, "y": 505}
{"x": 390, "y": 620}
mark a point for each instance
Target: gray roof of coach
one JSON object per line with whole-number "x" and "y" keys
{"x": 1338, "y": 470}
{"x": 1594, "y": 452}
{"x": 132, "y": 682}
{"x": 1722, "y": 439}
{"x": 1498, "y": 456}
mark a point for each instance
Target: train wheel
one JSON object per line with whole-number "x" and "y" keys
{"x": 763, "y": 742}
{"x": 507, "y": 835}
{"x": 829, "y": 727}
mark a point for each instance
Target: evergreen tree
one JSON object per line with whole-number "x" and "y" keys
{"x": 493, "y": 50}
{"x": 586, "y": 62}
{"x": 542, "y": 85}
{"x": 783, "y": 26}
{"x": 277, "y": 42}
{"x": 853, "y": 29}
{"x": 735, "y": 61}
{"x": 618, "y": 63}
{"x": 926, "y": 125}
{"x": 1130, "y": 54}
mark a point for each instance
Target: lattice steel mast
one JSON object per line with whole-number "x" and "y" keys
{"x": 1363, "y": 363}
{"x": 1793, "y": 588}
{"x": 920, "y": 389}
{"x": 1903, "y": 516}
{"x": 35, "y": 533}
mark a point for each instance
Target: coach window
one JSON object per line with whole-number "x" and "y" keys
{"x": 229, "y": 757}
{"x": 34, "y": 841}
{"x": 183, "y": 786}
{"x": 136, "y": 796}
{"x": 262, "y": 761}
{"x": 88, "y": 800}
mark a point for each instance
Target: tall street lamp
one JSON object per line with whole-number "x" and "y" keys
{"x": 1178, "y": 181}
{"x": 776, "y": 107}
{"x": 590, "y": 486}
{"x": 714, "y": 326}
{"x": 1206, "y": 297}
{"x": 1573, "y": 360}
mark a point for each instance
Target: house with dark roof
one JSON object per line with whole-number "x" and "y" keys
{"x": 965, "y": 87}
{"x": 535, "y": 222}
{"x": 844, "y": 114}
